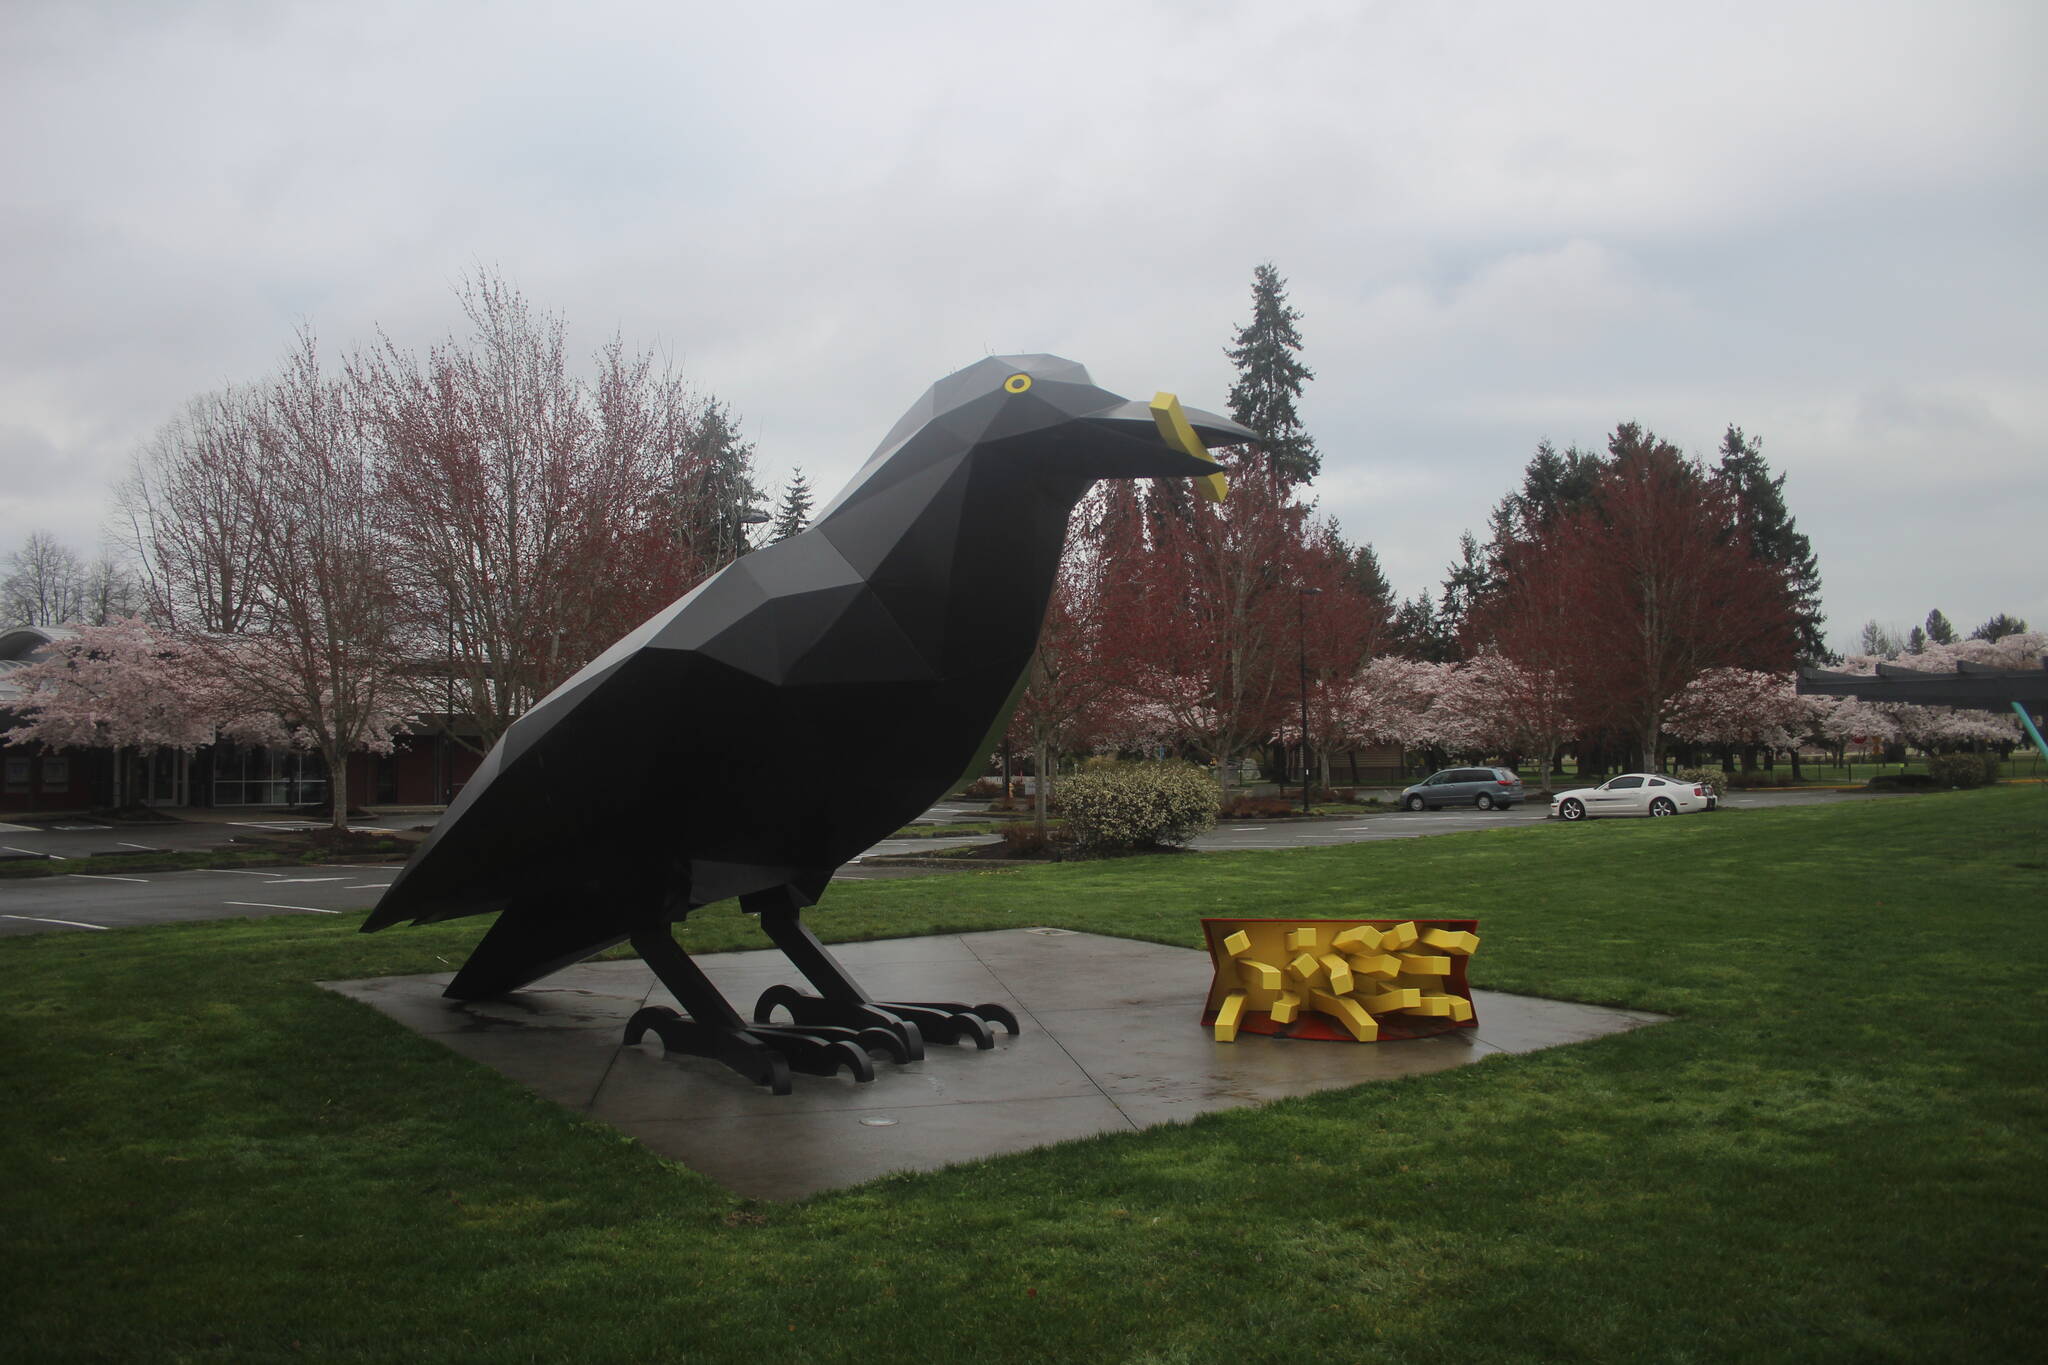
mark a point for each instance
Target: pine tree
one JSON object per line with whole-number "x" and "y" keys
{"x": 726, "y": 493}
{"x": 1466, "y": 583}
{"x": 1269, "y": 379}
{"x": 1365, "y": 573}
{"x": 1998, "y": 627}
{"x": 1939, "y": 631}
{"x": 1916, "y": 641}
{"x": 1773, "y": 534}
{"x": 795, "y": 513}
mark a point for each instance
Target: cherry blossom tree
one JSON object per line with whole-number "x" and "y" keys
{"x": 123, "y": 686}
{"x": 1740, "y": 708}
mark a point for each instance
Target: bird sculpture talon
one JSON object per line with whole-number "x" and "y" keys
{"x": 763, "y": 1053}
{"x": 739, "y": 1050}
{"x": 950, "y": 1023}
{"x": 805, "y": 1010}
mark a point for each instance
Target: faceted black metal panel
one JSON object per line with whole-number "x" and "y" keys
{"x": 802, "y": 703}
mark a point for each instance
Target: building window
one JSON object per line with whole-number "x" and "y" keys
{"x": 250, "y": 775}
{"x": 56, "y": 774}
{"x": 17, "y": 773}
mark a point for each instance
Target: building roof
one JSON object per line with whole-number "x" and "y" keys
{"x": 24, "y": 645}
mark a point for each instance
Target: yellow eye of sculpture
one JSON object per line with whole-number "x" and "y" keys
{"x": 1017, "y": 383}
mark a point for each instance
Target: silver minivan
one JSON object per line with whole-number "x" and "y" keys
{"x": 1486, "y": 788}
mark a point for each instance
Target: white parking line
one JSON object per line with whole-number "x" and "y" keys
{"x": 294, "y": 881}
{"x": 32, "y": 853}
{"x": 239, "y": 872}
{"x": 146, "y": 848}
{"x": 103, "y": 877}
{"x": 369, "y": 886}
{"x": 266, "y": 905}
{"x": 45, "y": 919}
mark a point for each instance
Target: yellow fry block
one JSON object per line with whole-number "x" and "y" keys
{"x": 1227, "y": 1016}
{"x": 1425, "y": 964}
{"x": 1303, "y": 937}
{"x": 1451, "y": 941}
{"x": 1461, "y": 1008}
{"x": 1383, "y": 1002}
{"x": 1178, "y": 432}
{"x": 1305, "y": 966}
{"x": 1238, "y": 944}
{"x": 1401, "y": 935}
{"x": 1362, "y": 939}
{"x": 1285, "y": 1006}
{"x": 1340, "y": 973}
{"x": 1376, "y": 964}
{"x": 1347, "y": 1012}
{"x": 1436, "y": 1004}
{"x": 1257, "y": 975}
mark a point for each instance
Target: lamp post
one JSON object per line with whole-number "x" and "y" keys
{"x": 1301, "y": 596}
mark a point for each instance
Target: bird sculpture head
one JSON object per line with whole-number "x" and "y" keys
{"x": 1059, "y": 427}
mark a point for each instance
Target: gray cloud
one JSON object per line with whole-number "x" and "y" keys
{"x": 1502, "y": 222}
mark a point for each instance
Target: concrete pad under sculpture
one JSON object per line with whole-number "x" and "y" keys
{"x": 1112, "y": 1042}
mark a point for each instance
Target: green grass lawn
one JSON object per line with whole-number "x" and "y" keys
{"x": 1836, "y": 1152}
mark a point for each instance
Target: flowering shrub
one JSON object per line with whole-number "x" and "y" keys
{"x": 1713, "y": 779}
{"x": 1962, "y": 770}
{"x": 1136, "y": 805}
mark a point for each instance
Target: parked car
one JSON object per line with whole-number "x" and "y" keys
{"x": 1632, "y": 794}
{"x": 1486, "y": 788}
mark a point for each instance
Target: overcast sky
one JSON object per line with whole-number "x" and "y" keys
{"x": 1821, "y": 222}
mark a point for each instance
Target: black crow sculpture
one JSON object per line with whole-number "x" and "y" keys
{"x": 687, "y": 763}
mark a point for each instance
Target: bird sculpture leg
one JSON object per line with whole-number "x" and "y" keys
{"x": 763, "y": 1053}
{"x": 840, "y": 1000}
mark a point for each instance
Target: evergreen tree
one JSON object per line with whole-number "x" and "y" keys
{"x": 1939, "y": 631}
{"x": 1269, "y": 379}
{"x": 1465, "y": 584}
{"x": 795, "y": 512}
{"x": 1773, "y": 535}
{"x": 727, "y": 494}
{"x": 1998, "y": 627}
{"x": 1366, "y": 575}
{"x": 1876, "y": 641}
{"x": 1418, "y": 633}
{"x": 1916, "y": 641}
{"x": 1554, "y": 484}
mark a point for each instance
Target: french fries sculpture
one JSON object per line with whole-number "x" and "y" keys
{"x": 1339, "y": 979}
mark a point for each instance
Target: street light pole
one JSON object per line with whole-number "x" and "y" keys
{"x": 1301, "y": 596}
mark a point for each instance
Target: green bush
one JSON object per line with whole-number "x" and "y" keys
{"x": 1713, "y": 779}
{"x": 1962, "y": 770}
{"x": 1139, "y": 805}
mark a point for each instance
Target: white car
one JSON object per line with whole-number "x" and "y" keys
{"x": 1632, "y": 794}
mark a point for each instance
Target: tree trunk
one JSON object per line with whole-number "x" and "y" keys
{"x": 1040, "y": 785}
{"x": 337, "y": 789}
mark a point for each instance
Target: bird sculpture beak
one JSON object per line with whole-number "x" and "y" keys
{"x": 1185, "y": 432}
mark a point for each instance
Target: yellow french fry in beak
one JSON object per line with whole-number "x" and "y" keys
{"x": 1176, "y": 431}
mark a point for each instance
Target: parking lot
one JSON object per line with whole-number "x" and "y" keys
{"x": 88, "y": 902}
